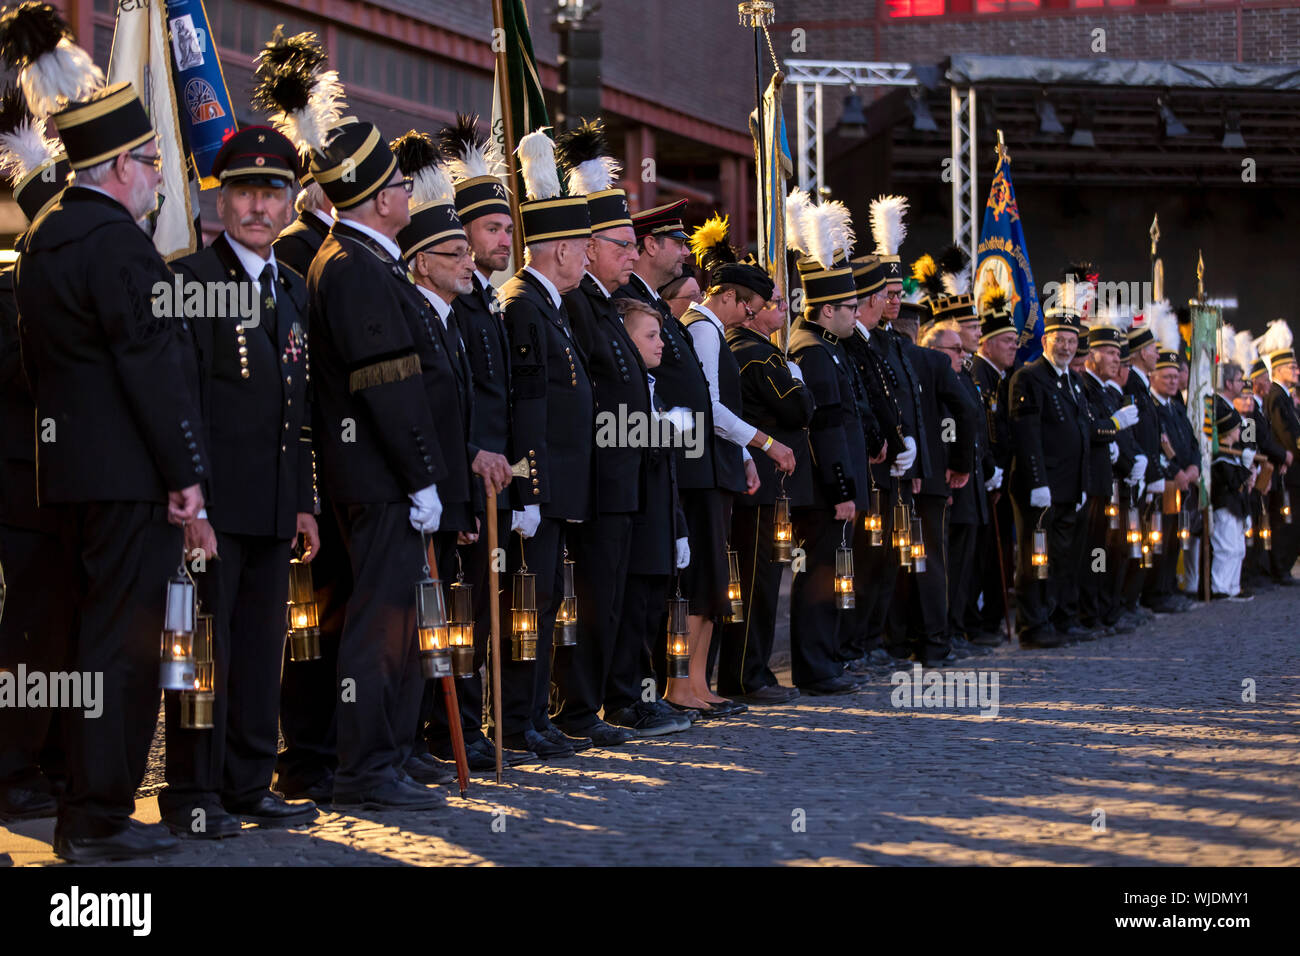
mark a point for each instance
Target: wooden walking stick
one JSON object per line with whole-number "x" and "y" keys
{"x": 453, "y": 713}
{"x": 494, "y": 612}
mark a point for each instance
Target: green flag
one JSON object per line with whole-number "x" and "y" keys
{"x": 522, "y": 84}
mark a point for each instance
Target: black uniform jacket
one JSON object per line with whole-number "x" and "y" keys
{"x": 1104, "y": 402}
{"x": 1174, "y": 424}
{"x": 777, "y": 403}
{"x": 994, "y": 391}
{"x": 1050, "y": 429}
{"x": 619, "y": 383}
{"x": 885, "y": 419}
{"x": 970, "y": 503}
{"x": 372, "y": 425}
{"x": 554, "y": 420}
{"x": 1285, "y": 424}
{"x": 259, "y": 426}
{"x": 951, "y": 414}
{"x": 297, "y": 246}
{"x": 1146, "y": 433}
{"x": 839, "y": 450}
{"x": 17, "y": 425}
{"x": 116, "y": 380}
{"x": 661, "y": 521}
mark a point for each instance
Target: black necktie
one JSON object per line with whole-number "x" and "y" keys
{"x": 267, "y": 280}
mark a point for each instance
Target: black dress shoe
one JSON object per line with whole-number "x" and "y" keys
{"x": 985, "y": 638}
{"x": 320, "y": 791}
{"x": 396, "y": 794}
{"x": 1043, "y": 637}
{"x": 1286, "y": 581}
{"x": 644, "y": 719}
{"x": 880, "y": 657}
{"x": 214, "y": 824}
{"x": 429, "y": 771}
{"x": 946, "y": 660}
{"x": 690, "y": 713}
{"x": 482, "y": 756}
{"x": 829, "y": 686}
{"x": 557, "y": 736}
{"x": 532, "y": 741}
{"x": 1122, "y": 626}
{"x": 771, "y": 694}
{"x": 129, "y": 843}
{"x": 22, "y": 803}
{"x": 273, "y": 810}
{"x": 726, "y": 708}
{"x": 602, "y": 734}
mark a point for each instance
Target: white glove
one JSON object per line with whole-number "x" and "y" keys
{"x": 1040, "y": 497}
{"x": 1114, "y": 453}
{"x": 682, "y": 419}
{"x": 683, "y": 553}
{"x": 795, "y": 371}
{"x": 526, "y": 521}
{"x": 1125, "y": 417}
{"x": 1139, "y": 469}
{"x": 995, "y": 480}
{"x": 906, "y": 458}
{"x": 1082, "y": 502}
{"x": 1247, "y": 457}
{"x": 426, "y": 509}
{"x": 1157, "y": 487}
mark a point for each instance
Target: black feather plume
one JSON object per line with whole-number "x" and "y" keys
{"x": 414, "y": 152}
{"x": 13, "y": 110}
{"x": 300, "y": 53}
{"x": 285, "y": 91}
{"x": 953, "y": 260}
{"x": 30, "y": 30}
{"x": 1080, "y": 270}
{"x": 576, "y": 146}
{"x": 453, "y": 141}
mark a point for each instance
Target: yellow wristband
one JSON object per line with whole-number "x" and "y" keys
{"x": 767, "y": 444}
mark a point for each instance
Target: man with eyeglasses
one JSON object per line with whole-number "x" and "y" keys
{"x": 600, "y": 670}
{"x": 115, "y": 371}
{"x": 437, "y": 253}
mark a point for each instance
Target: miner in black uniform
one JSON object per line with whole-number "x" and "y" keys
{"x": 554, "y": 426}
{"x": 1276, "y": 348}
{"x": 777, "y": 403}
{"x": 1143, "y": 353}
{"x": 261, "y": 496}
{"x": 298, "y": 243}
{"x": 381, "y": 459}
{"x": 993, "y": 360}
{"x": 839, "y": 461}
{"x": 113, "y": 371}
{"x": 1181, "y": 467}
{"x": 37, "y": 625}
{"x": 436, "y": 251}
{"x": 1049, "y": 426}
{"x": 601, "y": 547}
{"x": 1257, "y": 569}
{"x": 1112, "y": 459}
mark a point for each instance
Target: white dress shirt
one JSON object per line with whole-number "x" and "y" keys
{"x": 253, "y": 263}
{"x": 707, "y": 345}
{"x": 442, "y": 308}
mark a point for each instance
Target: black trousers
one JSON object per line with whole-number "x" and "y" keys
{"x": 1286, "y": 537}
{"x": 378, "y": 667}
{"x": 815, "y": 620}
{"x": 245, "y": 591}
{"x": 745, "y": 648}
{"x": 1037, "y": 600}
{"x": 992, "y": 615}
{"x": 601, "y": 551}
{"x": 126, "y": 551}
{"x": 1257, "y": 563}
{"x": 433, "y": 728}
{"x": 1135, "y": 580}
{"x": 1097, "y": 577}
{"x": 962, "y": 577}
{"x": 1162, "y": 579}
{"x": 918, "y": 617}
{"x": 37, "y": 629}
{"x": 309, "y": 690}
{"x": 526, "y": 685}
{"x": 875, "y": 577}
{"x": 641, "y": 639}
{"x": 1066, "y": 613}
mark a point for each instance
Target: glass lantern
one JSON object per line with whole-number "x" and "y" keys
{"x": 523, "y": 623}
{"x": 431, "y": 628}
{"x": 679, "y": 654}
{"x": 566, "y": 616}
{"x": 874, "y": 521}
{"x": 903, "y": 534}
{"x": 1184, "y": 529}
{"x": 1038, "y": 560}
{"x": 1112, "y": 507}
{"x": 737, "y": 615}
{"x": 844, "y": 596}
{"x": 303, "y": 614}
{"x": 782, "y": 531}
{"x": 460, "y": 629}
{"x": 176, "y": 664}
{"x": 1286, "y": 505}
{"x": 1266, "y": 530}
{"x": 918, "y": 547}
{"x": 1134, "y": 533}
{"x": 1155, "y": 533}
{"x": 196, "y": 705}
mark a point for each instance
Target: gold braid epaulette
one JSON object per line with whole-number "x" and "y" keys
{"x": 381, "y": 373}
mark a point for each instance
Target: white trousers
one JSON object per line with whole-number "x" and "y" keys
{"x": 1228, "y": 538}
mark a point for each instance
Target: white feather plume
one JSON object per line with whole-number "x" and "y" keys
{"x": 798, "y": 210}
{"x": 1227, "y": 343}
{"x": 1163, "y": 323}
{"x": 957, "y": 283}
{"x": 477, "y": 159}
{"x": 594, "y": 175}
{"x": 59, "y": 77}
{"x": 24, "y": 149}
{"x": 432, "y": 184}
{"x": 310, "y": 127}
{"x": 1244, "y": 352}
{"x": 840, "y": 223}
{"x": 536, "y": 153}
{"x": 821, "y": 237}
{"x": 1276, "y": 338}
{"x": 888, "y": 225}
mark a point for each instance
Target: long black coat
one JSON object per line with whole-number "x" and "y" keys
{"x": 970, "y": 503}
{"x": 117, "y": 381}
{"x": 839, "y": 450}
{"x": 298, "y": 244}
{"x": 17, "y": 424}
{"x": 994, "y": 393}
{"x": 1103, "y": 402}
{"x": 1051, "y": 433}
{"x": 884, "y": 421}
{"x": 258, "y": 427}
{"x": 944, "y": 401}
{"x": 1285, "y": 425}
{"x": 1147, "y": 430}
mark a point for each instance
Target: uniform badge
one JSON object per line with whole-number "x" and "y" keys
{"x": 297, "y": 343}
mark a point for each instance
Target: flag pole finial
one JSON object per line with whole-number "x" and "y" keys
{"x": 1200, "y": 277}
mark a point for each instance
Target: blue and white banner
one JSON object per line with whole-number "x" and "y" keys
{"x": 1003, "y": 258}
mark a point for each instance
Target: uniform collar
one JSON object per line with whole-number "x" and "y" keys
{"x": 1002, "y": 373}
{"x": 1159, "y": 399}
{"x": 388, "y": 245}
{"x": 866, "y": 335}
{"x": 701, "y": 308}
{"x": 1142, "y": 375}
{"x": 323, "y": 217}
{"x": 253, "y": 263}
{"x": 440, "y": 306}
{"x": 1094, "y": 375}
{"x": 599, "y": 285}
{"x": 654, "y": 295}
{"x": 547, "y": 284}
{"x": 1056, "y": 368}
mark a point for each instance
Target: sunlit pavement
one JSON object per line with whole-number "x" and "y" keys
{"x": 1130, "y": 750}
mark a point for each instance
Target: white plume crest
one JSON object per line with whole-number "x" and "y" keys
{"x": 536, "y": 153}
{"x": 53, "y": 80}
{"x": 888, "y": 224}
{"x": 839, "y": 222}
{"x": 1227, "y": 343}
{"x": 24, "y": 149}
{"x": 798, "y": 209}
{"x": 957, "y": 283}
{"x": 1244, "y": 352}
{"x": 477, "y": 160}
{"x": 821, "y": 237}
{"x": 594, "y": 175}
{"x": 1163, "y": 323}
{"x": 1276, "y": 338}
{"x": 432, "y": 184}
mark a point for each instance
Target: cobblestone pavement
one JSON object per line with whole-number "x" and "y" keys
{"x": 1148, "y": 729}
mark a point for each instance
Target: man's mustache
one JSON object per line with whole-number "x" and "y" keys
{"x": 256, "y": 220}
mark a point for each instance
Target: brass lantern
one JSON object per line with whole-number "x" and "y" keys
{"x": 1265, "y": 530}
{"x": 1112, "y": 507}
{"x": 460, "y": 629}
{"x": 1250, "y": 533}
{"x": 302, "y": 613}
{"x": 1155, "y": 533}
{"x": 875, "y": 522}
{"x": 523, "y": 624}
{"x": 1286, "y": 505}
{"x": 903, "y": 534}
{"x": 431, "y": 628}
{"x": 1134, "y": 533}
{"x": 733, "y": 588}
{"x": 1038, "y": 560}
{"x": 782, "y": 531}
{"x": 1184, "y": 529}
{"x": 176, "y": 664}
{"x": 196, "y": 705}
{"x": 566, "y": 617}
{"x": 918, "y": 547}
{"x": 679, "y": 653}
{"x": 844, "y": 597}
